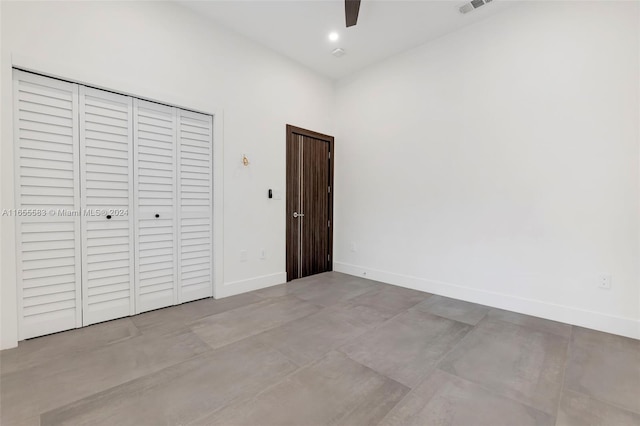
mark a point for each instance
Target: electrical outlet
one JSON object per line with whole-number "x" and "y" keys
{"x": 243, "y": 256}
{"x": 604, "y": 282}
{"x": 263, "y": 254}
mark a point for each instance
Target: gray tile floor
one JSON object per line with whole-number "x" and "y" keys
{"x": 329, "y": 349}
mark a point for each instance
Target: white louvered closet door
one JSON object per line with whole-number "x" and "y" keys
{"x": 106, "y": 159}
{"x": 155, "y": 205}
{"x": 195, "y": 200}
{"x": 47, "y": 184}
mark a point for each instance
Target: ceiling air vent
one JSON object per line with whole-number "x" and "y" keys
{"x": 468, "y": 7}
{"x": 338, "y": 52}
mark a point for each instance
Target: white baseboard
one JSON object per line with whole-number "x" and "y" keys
{"x": 628, "y": 327}
{"x": 256, "y": 283}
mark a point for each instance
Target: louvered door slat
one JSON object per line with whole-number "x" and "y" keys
{"x": 47, "y": 177}
{"x": 155, "y": 198}
{"x": 195, "y": 199}
{"x": 106, "y": 156}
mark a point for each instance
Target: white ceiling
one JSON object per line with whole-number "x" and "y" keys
{"x": 299, "y": 29}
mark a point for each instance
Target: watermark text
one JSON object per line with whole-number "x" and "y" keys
{"x": 63, "y": 212}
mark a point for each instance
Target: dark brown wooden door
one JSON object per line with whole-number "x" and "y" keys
{"x": 309, "y": 203}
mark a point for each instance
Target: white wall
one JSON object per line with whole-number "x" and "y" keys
{"x": 499, "y": 164}
{"x": 165, "y": 52}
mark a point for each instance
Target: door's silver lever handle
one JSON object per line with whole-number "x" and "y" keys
{"x": 296, "y": 214}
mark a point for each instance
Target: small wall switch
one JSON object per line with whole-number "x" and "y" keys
{"x": 243, "y": 256}
{"x": 604, "y": 282}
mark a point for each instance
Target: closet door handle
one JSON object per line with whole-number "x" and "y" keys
{"x": 296, "y": 214}
{"x": 157, "y": 215}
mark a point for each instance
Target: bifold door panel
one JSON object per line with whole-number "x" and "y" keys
{"x": 114, "y": 200}
{"x": 46, "y": 135}
{"x": 106, "y": 145}
{"x": 195, "y": 177}
{"x": 155, "y": 195}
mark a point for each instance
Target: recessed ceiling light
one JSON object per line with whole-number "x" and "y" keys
{"x": 333, "y": 36}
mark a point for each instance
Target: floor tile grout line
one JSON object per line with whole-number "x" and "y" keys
{"x": 241, "y": 399}
{"x": 209, "y": 350}
{"x": 436, "y": 367}
{"x": 564, "y": 373}
{"x": 260, "y": 392}
{"x": 265, "y": 302}
{"x": 609, "y": 403}
{"x": 435, "y": 364}
{"x": 458, "y": 343}
{"x": 190, "y": 323}
{"x": 83, "y": 349}
{"x": 485, "y": 317}
{"x": 344, "y": 341}
{"x": 204, "y": 354}
{"x": 286, "y": 377}
{"x": 390, "y": 409}
{"x": 207, "y": 353}
{"x": 491, "y": 391}
{"x": 131, "y": 319}
{"x": 533, "y": 328}
{"x": 109, "y": 346}
{"x": 448, "y": 318}
{"x": 257, "y": 334}
{"x": 494, "y": 392}
{"x": 404, "y": 311}
{"x": 273, "y": 299}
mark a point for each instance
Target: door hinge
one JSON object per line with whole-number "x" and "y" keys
{"x": 329, "y": 189}
{"x": 329, "y": 155}
{"x": 328, "y": 224}
{"x": 329, "y": 257}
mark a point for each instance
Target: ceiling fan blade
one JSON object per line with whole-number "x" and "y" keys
{"x": 351, "y": 9}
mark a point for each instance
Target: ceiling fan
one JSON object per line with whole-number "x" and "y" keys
{"x": 351, "y": 9}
